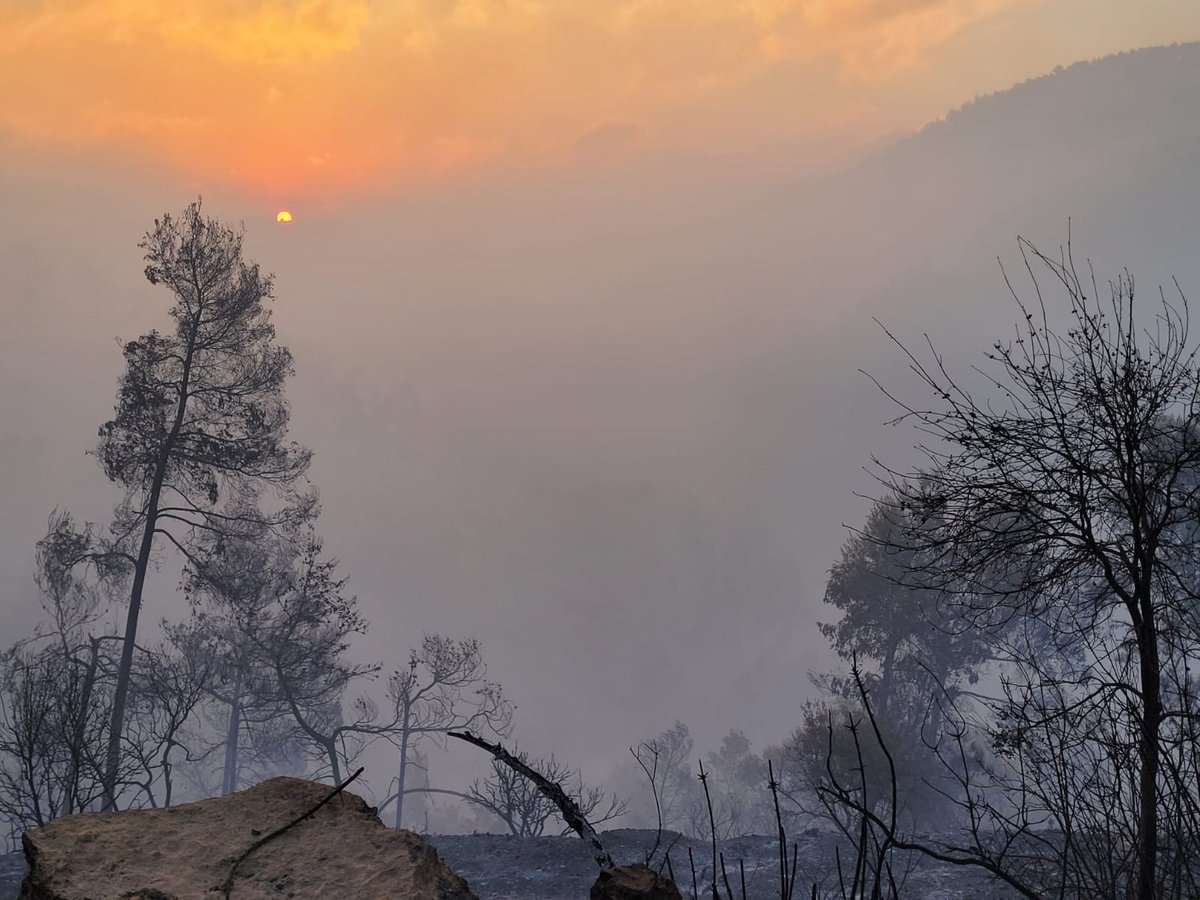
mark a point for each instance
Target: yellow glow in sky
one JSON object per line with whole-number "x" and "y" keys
{"x": 323, "y": 97}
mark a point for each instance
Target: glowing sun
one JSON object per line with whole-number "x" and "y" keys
{"x": 284, "y": 215}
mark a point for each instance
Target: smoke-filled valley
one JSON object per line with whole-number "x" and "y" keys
{"x": 868, "y": 494}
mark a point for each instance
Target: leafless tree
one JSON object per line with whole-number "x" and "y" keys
{"x": 866, "y": 810}
{"x": 237, "y": 583}
{"x": 162, "y": 731}
{"x": 302, "y": 641}
{"x": 47, "y": 737}
{"x": 673, "y": 787}
{"x": 1058, "y": 505}
{"x": 53, "y": 697}
{"x": 527, "y": 811}
{"x": 281, "y": 618}
{"x": 444, "y": 688}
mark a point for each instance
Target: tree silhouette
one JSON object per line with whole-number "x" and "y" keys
{"x": 1059, "y": 499}
{"x": 200, "y": 418}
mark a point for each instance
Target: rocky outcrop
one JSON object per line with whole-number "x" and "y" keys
{"x": 186, "y": 852}
{"x": 633, "y": 883}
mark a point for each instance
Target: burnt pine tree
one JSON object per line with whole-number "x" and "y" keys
{"x": 912, "y": 657}
{"x": 233, "y": 582}
{"x": 919, "y": 652}
{"x": 444, "y": 688}
{"x": 1061, "y": 492}
{"x": 278, "y": 615}
{"x": 302, "y": 640}
{"x": 199, "y": 417}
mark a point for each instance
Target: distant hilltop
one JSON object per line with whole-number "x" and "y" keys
{"x": 1113, "y": 84}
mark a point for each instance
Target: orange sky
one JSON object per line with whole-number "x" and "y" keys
{"x": 321, "y": 97}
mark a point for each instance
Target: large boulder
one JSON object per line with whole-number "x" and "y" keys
{"x": 636, "y": 882}
{"x": 186, "y": 852}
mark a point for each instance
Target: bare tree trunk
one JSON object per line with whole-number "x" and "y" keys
{"x": 168, "y": 783}
{"x": 886, "y": 677}
{"x": 229, "y": 781}
{"x": 1149, "y": 751}
{"x": 335, "y": 767}
{"x": 71, "y": 800}
{"x": 116, "y": 728}
{"x": 404, "y": 735}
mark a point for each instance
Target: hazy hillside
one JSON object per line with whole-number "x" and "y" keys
{"x": 912, "y": 235}
{"x": 1111, "y": 144}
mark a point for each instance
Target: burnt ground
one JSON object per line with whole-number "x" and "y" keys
{"x": 502, "y": 867}
{"x": 12, "y": 870}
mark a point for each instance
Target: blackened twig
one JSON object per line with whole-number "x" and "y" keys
{"x": 725, "y": 878}
{"x": 712, "y": 830}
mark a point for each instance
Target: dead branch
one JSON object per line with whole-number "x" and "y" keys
{"x": 571, "y": 813}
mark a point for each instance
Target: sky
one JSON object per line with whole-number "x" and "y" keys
{"x": 321, "y": 101}
{"x": 578, "y": 291}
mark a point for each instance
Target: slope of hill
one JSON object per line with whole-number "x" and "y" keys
{"x": 1106, "y": 153}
